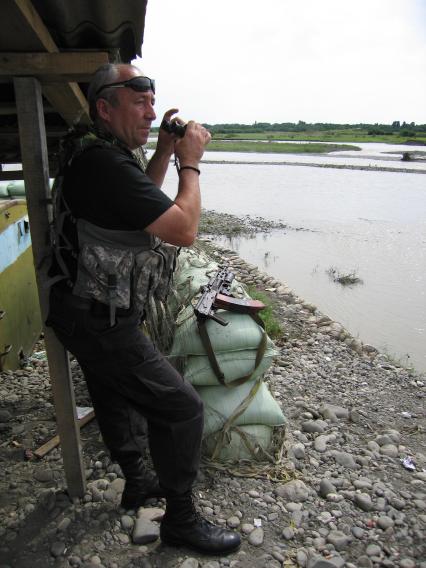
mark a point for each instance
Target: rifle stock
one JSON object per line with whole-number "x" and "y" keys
{"x": 239, "y": 305}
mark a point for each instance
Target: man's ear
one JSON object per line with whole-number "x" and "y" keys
{"x": 103, "y": 108}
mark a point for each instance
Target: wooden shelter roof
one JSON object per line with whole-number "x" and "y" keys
{"x": 61, "y": 43}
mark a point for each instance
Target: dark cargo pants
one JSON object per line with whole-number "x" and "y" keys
{"x": 127, "y": 378}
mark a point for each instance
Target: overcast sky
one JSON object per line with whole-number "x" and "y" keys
{"x": 342, "y": 61}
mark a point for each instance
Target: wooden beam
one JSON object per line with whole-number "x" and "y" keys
{"x": 68, "y": 98}
{"x": 9, "y": 109}
{"x": 53, "y": 67}
{"x": 8, "y": 132}
{"x": 34, "y": 25}
{"x": 69, "y": 102}
{"x": 10, "y": 175}
{"x": 36, "y": 176}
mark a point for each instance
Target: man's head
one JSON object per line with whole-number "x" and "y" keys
{"x": 121, "y": 101}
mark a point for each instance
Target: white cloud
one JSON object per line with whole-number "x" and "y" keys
{"x": 288, "y": 60}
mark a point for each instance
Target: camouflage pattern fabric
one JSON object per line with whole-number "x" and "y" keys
{"x": 97, "y": 264}
{"x": 138, "y": 264}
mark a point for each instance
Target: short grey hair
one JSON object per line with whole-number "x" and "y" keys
{"x": 104, "y": 75}
{"x": 108, "y": 73}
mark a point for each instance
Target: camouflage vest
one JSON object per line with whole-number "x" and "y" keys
{"x": 115, "y": 267}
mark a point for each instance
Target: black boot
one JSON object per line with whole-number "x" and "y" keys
{"x": 183, "y": 526}
{"x": 140, "y": 486}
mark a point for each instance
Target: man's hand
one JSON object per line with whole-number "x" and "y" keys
{"x": 190, "y": 149}
{"x": 166, "y": 140}
{"x": 160, "y": 160}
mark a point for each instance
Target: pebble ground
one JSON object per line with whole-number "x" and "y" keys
{"x": 350, "y": 490}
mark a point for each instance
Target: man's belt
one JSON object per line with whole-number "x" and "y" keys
{"x": 95, "y": 307}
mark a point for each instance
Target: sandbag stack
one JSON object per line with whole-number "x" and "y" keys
{"x": 240, "y": 412}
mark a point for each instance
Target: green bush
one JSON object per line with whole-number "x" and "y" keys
{"x": 272, "y": 325}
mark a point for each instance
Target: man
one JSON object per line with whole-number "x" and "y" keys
{"x": 110, "y": 261}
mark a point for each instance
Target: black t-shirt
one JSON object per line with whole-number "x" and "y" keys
{"x": 106, "y": 186}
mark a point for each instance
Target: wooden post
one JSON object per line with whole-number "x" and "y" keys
{"x": 35, "y": 163}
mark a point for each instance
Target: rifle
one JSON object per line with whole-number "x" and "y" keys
{"x": 217, "y": 294}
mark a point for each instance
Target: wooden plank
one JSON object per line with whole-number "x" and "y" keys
{"x": 55, "y": 441}
{"x": 34, "y": 25}
{"x": 36, "y": 176}
{"x": 10, "y": 175}
{"x": 10, "y": 109}
{"x": 68, "y": 98}
{"x": 69, "y": 102}
{"x": 53, "y": 67}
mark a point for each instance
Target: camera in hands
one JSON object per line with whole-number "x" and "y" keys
{"x": 173, "y": 127}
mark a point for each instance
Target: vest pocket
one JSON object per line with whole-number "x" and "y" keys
{"x": 104, "y": 274}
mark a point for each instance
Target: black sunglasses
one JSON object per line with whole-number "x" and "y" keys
{"x": 139, "y": 84}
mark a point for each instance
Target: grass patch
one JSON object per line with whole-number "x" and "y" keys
{"x": 344, "y": 135}
{"x": 344, "y": 278}
{"x": 269, "y": 147}
{"x": 276, "y": 147}
{"x": 272, "y": 325}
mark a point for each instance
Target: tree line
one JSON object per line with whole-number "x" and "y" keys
{"x": 397, "y": 127}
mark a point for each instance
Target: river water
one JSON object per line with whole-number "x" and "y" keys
{"x": 372, "y": 223}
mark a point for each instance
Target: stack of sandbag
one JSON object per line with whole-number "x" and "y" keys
{"x": 242, "y": 349}
{"x": 193, "y": 271}
{"x": 239, "y": 421}
{"x": 240, "y": 412}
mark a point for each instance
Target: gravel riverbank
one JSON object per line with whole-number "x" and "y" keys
{"x": 369, "y": 168}
{"x": 350, "y": 491}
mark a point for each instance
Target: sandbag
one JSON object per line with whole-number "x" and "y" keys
{"x": 244, "y": 442}
{"x": 242, "y": 349}
{"x": 241, "y": 333}
{"x": 3, "y": 189}
{"x": 193, "y": 271}
{"x": 234, "y": 365}
{"x": 221, "y": 403}
{"x": 16, "y": 188}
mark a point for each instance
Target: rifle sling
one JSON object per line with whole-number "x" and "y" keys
{"x": 205, "y": 339}
{"x": 242, "y": 407}
{"x": 261, "y": 348}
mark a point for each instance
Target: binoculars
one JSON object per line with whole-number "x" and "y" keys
{"x": 174, "y": 128}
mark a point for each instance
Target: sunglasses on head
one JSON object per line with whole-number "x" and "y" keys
{"x": 139, "y": 84}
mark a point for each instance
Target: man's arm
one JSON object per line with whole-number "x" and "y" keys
{"x": 179, "y": 224}
{"x": 157, "y": 167}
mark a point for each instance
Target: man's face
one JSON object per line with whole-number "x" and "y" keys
{"x": 130, "y": 120}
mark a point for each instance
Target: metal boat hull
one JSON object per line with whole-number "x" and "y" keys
{"x": 20, "y": 321}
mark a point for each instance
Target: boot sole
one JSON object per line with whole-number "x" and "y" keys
{"x": 179, "y": 544}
